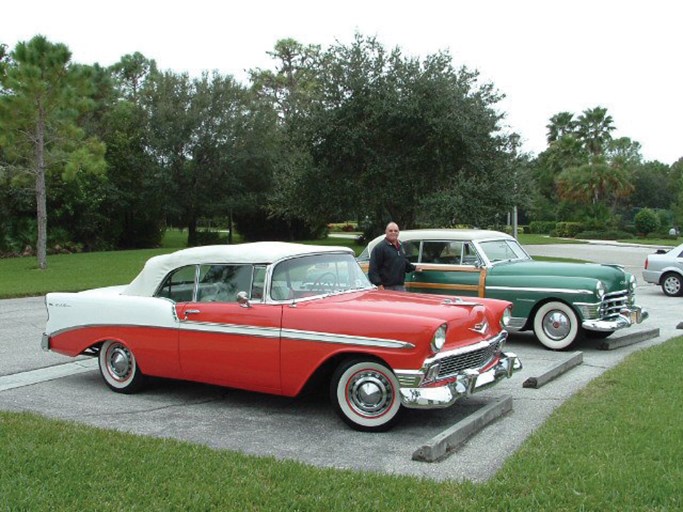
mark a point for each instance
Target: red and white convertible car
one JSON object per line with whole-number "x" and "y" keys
{"x": 270, "y": 316}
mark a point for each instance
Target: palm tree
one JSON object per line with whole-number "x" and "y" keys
{"x": 594, "y": 129}
{"x": 561, "y": 124}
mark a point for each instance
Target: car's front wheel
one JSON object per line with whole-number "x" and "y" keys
{"x": 365, "y": 394}
{"x": 672, "y": 285}
{"x": 556, "y": 325}
{"x": 119, "y": 367}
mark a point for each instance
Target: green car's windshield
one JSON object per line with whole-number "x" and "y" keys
{"x": 504, "y": 250}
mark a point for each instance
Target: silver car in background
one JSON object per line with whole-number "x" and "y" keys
{"x": 665, "y": 268}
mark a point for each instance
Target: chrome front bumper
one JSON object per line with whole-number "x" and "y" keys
{"x": 466, "y": 383}
{"x": 627, "y": 317}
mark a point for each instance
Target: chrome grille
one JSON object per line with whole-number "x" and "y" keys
{"x": 613, "y": 303}
{"x": 450, "y": 365}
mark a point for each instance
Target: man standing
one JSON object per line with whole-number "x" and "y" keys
{"x": 388, "y": 262}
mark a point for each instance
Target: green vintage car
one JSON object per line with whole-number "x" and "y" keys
{"x": 560, "y": 302}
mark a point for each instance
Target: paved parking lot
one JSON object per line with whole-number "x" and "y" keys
{"x": 305, "y": 428}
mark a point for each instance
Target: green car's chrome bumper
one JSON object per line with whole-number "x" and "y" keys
{"x": 626, "y": 318}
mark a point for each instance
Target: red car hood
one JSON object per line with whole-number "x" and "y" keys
{"x": 403, "y": 315}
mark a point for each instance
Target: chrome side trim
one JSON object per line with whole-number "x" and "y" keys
{"x": 266, "y": 332}
{"x": 345, "y": 339}
{"x": 458, "y": 301}
{"x": 294, "y": 334}
{"x": 576, "y": 291}
{"x": 242, "y": 330}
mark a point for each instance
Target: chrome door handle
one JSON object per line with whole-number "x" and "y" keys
{"x": 191, "y": 312}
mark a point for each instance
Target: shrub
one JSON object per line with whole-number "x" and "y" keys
{"x": 506, "y": 228}
{"x": 608, "y": 234}
{"x": 259, "y": 225}
{"x": 568, "y": 229}
{"x": 208, "y": 237}
{"x": 541, "y": 227}
{"x": 646, "y": 221}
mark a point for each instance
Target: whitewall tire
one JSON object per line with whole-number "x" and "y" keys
{"x": 365, "y": 394}
{"x": 556, "y": 325}
{"x": 119, "y": 367}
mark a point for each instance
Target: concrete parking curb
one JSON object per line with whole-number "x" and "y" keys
{"x": 557, "y": 369}
{"x": 628, "y": 339}
{"x": 440, "y": 445}
{"x": 18, "y": 380}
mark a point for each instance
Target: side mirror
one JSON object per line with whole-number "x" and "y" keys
{"x": 243, "y": 299}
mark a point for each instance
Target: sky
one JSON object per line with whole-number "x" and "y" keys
{"x": 544, "y": 56}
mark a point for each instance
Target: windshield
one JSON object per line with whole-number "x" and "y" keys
{"x": 503, "y": 250}
{"x": 318, "y": 274}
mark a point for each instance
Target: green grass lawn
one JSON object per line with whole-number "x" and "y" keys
{"x": 616, "y": 445}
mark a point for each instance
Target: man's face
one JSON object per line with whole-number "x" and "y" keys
{"x": 392, "y": 232}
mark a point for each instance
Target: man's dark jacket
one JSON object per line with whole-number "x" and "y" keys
{"x": 388, "y": 264}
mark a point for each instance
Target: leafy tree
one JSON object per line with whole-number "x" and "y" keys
{"x": 677, "y": 205}
{"x": 131, "y": 74}
{"x": 292, "y": 88}
{"x": 130, "y": 193}
{"x": 212, "y": 143}
{"x": 653, "y": 186}
{"x": 42, "y": 95}
{"x": 398, "y": 135}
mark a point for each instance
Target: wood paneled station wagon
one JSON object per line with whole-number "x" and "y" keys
{"x": 560, "y": 302}
{"x": 272, "y": 317}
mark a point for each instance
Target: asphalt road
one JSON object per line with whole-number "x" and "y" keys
{"x": 305, "y": 428}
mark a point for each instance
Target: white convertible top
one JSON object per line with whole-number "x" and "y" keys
{"x": 158, "y": 267}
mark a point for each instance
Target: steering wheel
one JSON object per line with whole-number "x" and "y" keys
{"x": 325, "y": 281}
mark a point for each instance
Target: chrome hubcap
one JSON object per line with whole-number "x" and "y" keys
{"x": 119, "y": 362}
{"x": 370, "y": 393}
{"x": 556, "y": 325}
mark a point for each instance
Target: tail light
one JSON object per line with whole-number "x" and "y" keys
{"x": 646, "y": 263}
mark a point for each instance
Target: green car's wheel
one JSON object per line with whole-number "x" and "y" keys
{"x": 556, "y": 325}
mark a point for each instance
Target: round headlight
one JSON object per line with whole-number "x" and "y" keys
{"x": 600, "y": 289}
{"x": 505, "y": 319}
{"x": 439, "y": 338}
{"x": 632, "y": 283}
